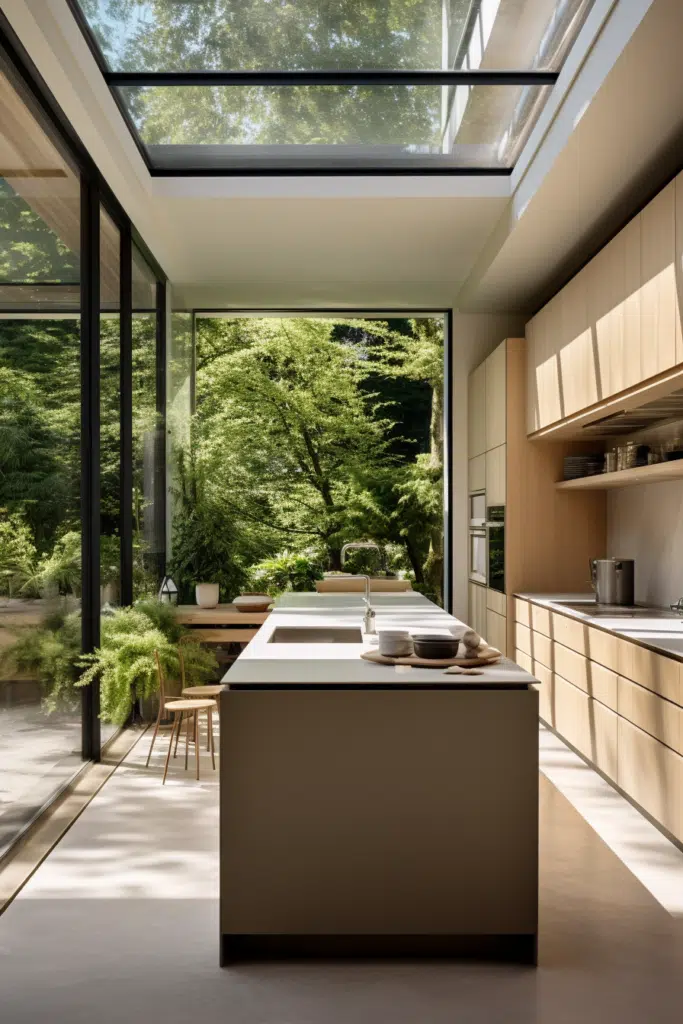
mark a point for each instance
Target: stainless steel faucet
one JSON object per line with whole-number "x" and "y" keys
{"x": 678, "y": 607}
{"x": 369, "y": 617}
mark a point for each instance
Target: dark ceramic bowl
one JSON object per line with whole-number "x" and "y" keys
{"x": 435, "y": 646}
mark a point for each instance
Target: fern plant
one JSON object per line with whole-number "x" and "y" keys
{"x": 125, "y": 663}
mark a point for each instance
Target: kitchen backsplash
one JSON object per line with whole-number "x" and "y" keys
{"x": 646, "y": 523}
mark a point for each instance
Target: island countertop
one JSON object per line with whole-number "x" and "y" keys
{"x": 264, "y": 664}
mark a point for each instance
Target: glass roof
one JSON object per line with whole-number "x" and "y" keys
{"x": 259, "y": 86}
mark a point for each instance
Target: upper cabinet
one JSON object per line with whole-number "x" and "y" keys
{"x": 616, "y": 324}
{"x": 476, "y": 412}
{"x": 496, "y": 403}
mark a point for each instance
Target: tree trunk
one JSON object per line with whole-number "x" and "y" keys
{"x": 415, "y": 560}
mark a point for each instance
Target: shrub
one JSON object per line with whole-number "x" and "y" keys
{"x": 287, "y": 571}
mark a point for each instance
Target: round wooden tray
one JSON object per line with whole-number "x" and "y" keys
{"x": 488, "y": 656}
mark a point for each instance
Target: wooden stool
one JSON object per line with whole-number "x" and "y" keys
{"x": 193, "y": 707}
{"x": 212, "y": 690}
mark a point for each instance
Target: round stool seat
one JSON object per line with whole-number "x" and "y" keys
{"x": 213, "y": 690}
{"x": 189, "y": 705}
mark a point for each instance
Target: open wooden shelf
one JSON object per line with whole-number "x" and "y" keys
{"x": 660, "y": 472}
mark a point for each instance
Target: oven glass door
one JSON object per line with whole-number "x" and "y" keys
{"x": 477, "y": 510}
{"x": 478, "y": 556}
{"x": 496, "y": 557}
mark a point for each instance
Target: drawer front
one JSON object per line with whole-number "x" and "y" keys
{"x": 653, "y": 671}
{"x": 570, "y": 632}
{"x": 496, "y": 630}
{"x": 476, "y": 475}
{"x": 523, "y": 638}
{"x": 496, "y": 601}
{"x": 603, "y": 685}
{"x": 651, "y": 774}
{"x": 522, "y": 611}
{"x": 654, "y": 715}
{"x": 546, "y": 694}
{"x": 571, "y": 666}
{"x": 540, "y": 619}
{"x": 602, "y": 647}
{"x": 542, "y": 649}
{"x": 589, "y": 726}
{"x": 524, "y": 661}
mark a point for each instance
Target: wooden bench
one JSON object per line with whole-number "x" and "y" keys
{"x": 223, "y": 624}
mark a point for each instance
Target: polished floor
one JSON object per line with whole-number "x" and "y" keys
{"x": 120, "y": 924}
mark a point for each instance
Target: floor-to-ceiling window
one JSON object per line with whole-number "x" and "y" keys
{"x": 40, "y": 462}
{"x": 82, "y": 403}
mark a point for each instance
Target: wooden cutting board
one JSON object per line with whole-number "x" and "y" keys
{"x": 487, "y": 656}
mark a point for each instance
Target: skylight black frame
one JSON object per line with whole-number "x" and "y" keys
{"x": 117, "y": 79}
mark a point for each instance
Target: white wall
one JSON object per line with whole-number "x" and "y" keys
{"x": 646, "y": 523}
{"x": 475, "y": 335}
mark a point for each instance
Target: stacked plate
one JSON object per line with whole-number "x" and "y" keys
{"x": 395, "y": 643}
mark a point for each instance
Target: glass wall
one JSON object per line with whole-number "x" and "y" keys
{"x": 149, "y": 530}
{"x": 40, "y": 463}
{"x": 82, "y": 459}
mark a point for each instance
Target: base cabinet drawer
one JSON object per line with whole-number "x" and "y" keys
{"x": 588, "y": 725}
{"x": 523, "y": 638}
{"x": 652, "y": 775}
{"x": 496, "y": 601}
{"x": 570, "y": 632}
{"x": 546, "y": 693}
{"x": 602, "y": 648}
{"x": 653, "y": 671}
{"x": 571, "y": 666}
{"x": 522, "y": 611}
{"x": 542, "y": 649}
{"x": 654, "y": 715}
{"x": 540, "y": 619}
{"x": 524, "y": 660}
{"x": 604, "y": 685}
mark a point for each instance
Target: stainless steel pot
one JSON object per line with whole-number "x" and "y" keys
{"x": 612, "y": 580}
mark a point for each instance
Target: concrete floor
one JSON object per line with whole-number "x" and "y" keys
{"x": 121, "y": 924}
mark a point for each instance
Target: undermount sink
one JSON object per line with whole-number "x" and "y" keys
{"x": 615, "y": 611}
{"x": 316, "y": 635}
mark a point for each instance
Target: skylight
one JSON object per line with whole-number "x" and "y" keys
{"x": 327, "y": 86}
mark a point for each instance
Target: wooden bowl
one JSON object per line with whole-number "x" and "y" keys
{"x": 253, "y": 602}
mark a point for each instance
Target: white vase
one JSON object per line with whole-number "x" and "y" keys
{"x": 207, "y": 595}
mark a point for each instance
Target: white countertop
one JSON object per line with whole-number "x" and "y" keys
{"x": 292, "y": 664}
{"x": 659, "y": 629}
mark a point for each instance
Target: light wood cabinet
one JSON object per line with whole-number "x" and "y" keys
{"x": 655, "y": 672}
{"x": 522, "y": 611}
{"x": 603, "y": 685}
{"x": 496, "y": 628}
{"x": 651, "y": 774}
{"x": 523, "y": 639}
{"x": 616, "y": 324}
{"x": 540, "y": 620}
{"x": 658, "y": 283}
{"x": 654, "y": 715}
{"x": 602, "y": 648}
{"x": 496, "y": 476}
{"x": 679, "y": 268}
{"x": 587, "y": 725}
{"x": 570, "y": 632}
{"x": 496, "y": 398}
{"x": 542, "y": 649}
{"x": 476, "y": 412}
{"x": 496, "y": 601}
{"x": 477, "y": 609}
{"x": 546, "y": 693}
{"x": 476, "y": 473}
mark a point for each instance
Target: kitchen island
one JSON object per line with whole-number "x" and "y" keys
{"x": 371, "y": 810}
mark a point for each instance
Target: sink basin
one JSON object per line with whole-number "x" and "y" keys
{"x": 615, "y": 611}
{"x": 316, "y": 635}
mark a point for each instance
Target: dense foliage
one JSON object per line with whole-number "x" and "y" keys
{"x": 310, "y": 433}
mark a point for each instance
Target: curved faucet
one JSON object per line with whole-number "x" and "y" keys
{"x": 369, "y": 617}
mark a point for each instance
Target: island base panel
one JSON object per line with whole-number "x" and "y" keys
{"x": 372, "y": 819}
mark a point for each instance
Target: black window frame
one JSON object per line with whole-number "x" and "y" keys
{"x": 95, "y": 196}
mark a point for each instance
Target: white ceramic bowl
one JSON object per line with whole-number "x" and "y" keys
{"x": 253, "y": 602}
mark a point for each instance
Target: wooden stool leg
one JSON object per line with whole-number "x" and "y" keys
{"x": 156, "y": 730}
{"x": 208, "y": 737}
{"x": 170, "y": 744}
{"x": 187, "y": 738}
{"x": 196, "y": 741}
{"x": 209, "y": 725}
{"x": 175, "y": 752}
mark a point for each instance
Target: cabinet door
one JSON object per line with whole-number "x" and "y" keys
{"x": 496, "y": 630}
{"x": 578, "y": 366}
{"x": 477, "y": 609}
{"x": 496, "y": 369}
{"x": 631, "y": 301}
{"x": 495, "y": 476}
{"x": 476, "y": 473}
{"x": 658, "y": 283}
{"x": 652, "y": 775}
{"x": 547, "y": 345}
{"x": 679, "y": 268}
{"x": 476, "y": 412}
{"x": 531, "y": 333}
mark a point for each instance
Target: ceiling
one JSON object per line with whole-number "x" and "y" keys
{"x": 478, "y": 243}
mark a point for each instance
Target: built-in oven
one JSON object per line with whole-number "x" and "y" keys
{"x": 495, "y": 547}
{"x": 477, "y": 509}
{"x": 478, "y": 555}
